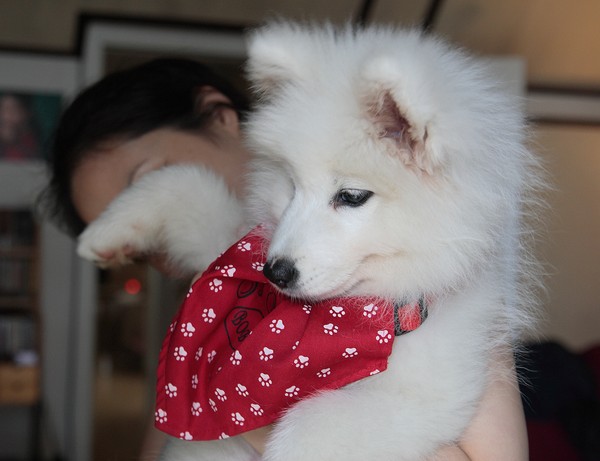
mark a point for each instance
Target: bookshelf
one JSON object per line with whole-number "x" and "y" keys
{"x": 19, "y": 309}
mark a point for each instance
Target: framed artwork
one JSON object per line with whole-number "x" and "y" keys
{"x": 108, "y": 44}
{"x": 34, "y": 87}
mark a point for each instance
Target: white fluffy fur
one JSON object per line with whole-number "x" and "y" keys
{"x": 442, "y": 148}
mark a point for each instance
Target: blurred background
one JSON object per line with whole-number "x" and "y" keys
{"x": 78, "y": 346}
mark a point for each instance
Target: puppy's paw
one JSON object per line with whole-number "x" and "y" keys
{"x": 110, "y": 242}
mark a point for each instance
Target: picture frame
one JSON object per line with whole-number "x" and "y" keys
{"x": 34, "y": 88}
{"x": 548, "y": 105}
{"x": 109, "y": 43}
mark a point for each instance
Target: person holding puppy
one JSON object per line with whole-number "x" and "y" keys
{"x": 174, "y": 111}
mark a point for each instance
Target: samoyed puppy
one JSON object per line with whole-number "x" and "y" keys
{"x": 387, "y": 163}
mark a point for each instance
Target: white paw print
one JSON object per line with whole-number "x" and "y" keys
{"x": 171, "y": 390}
{"x": 383, "y": 336}
{"x": 236, "y": 358}
{"x": 220, "y": 393}
{"x": 189, "y": 293}
{"x": 223, "y": 436}
{"x": 198, "y": 353}
{"x": 307, "y": 308}
{"x": 173, "y": 326}
{"x": 370, "y": 310}
{"x": 211, "y": 356}
{"x": 265, "y": 380}
{"x": 295, "y": 346}
{"x": 196, "y": 408}
{"x": 266, "y": 354}
{"x": 244, "y": 246}
{"x": 194, "y": 381}
{"x": 256, "y": 409}
{"x": 242, "y": 390}
{"x": 228, "y": 270}
{"x": 216, "y": 285}
{"x": 301, "y": 361}
{"x": 258, "y": 266}
{"x": 160, "y": 416}
{"x": 350, "y": 352}
{"x": 208, "y": 315}
{"x": 324, "y": 373}
{"x": 180, "y": 354}
{"x": 187, "y": 329}
{"x": 330, "y": 329}
{"x": 277, "y": 326}
{"x": 238, "y": 419}
{"x": 292, "y": 391}
{"x": 374, "y": 372}
{"x": 213, "y": 405}
{"x": 185, "y": 436}
{"x": 337, "y": 311}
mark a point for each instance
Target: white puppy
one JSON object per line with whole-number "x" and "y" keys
{"x": 388, "y": 164}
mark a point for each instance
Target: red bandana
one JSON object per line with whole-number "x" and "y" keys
{"x": 239, "y": 352}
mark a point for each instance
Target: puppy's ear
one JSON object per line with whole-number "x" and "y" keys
{"x": 395, "y": 116}
{"x": 273, "y": 57}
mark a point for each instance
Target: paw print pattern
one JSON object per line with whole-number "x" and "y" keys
{"x": 180, "y": 354}
{"x": 185, "y": 436}
{"x": 216, "y": 285}
{"x": 189, "y": 293}
{"x": 307, "y": 308}
{"x": 323, "y": 373}
{"x": 258, "y": 266}
{"x": 238, "y": 419}
{"x": 228, "y": 270}
{"x": 220, "y": 393}
{"x": 196, "y": 408}
{"x": 171, "y": 390}
{"x": 211, "y": 356}
{"x": 301, "y": 361}
{"x": 256, "y": 409}
{"x": 350, "y": 352}
{"x": 265, "y": 380}
{"x": 242, "y": 390}
{"x": 337, "y": 311}
{"x": 208, "y": 315}
{"x": 160, "y": 416}
{"x": 383, "y": 337}
{"x": 223, "y": 436}
{"x": 213, "y": 405}
{"x": 198, "y": 353}
{"x": 330, "y": 329}
{"x": 370, "y": 310}
{"x": 236, "y": 357}
{"x": 374, "y": 372}
{"x": 188, "y": 329}
{"x": 244, "y": 246}
{"x": 292, "y": 391}
{"x": 194, "y": 381}
{"x": 277, "y": 326}
{"x": 266, "y": 354}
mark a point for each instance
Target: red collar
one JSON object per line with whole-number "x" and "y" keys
{"x": 239, "y": 352}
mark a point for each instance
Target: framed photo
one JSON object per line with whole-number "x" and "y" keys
{"x": 564, "y": 106}
{"x": 34, "y": 87}
{"x": 109, "y": 44}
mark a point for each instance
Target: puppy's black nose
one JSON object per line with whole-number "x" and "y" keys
{"x": 281, "y": 272}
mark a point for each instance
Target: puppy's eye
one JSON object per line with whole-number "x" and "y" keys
{"x": 351, "y": 197}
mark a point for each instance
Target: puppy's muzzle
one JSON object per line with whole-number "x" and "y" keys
{"x": 281, "y": 272}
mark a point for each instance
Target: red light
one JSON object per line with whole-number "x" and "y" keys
{"x": 132, "y": 286}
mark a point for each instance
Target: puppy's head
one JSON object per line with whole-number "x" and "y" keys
{"x": 386, "y": 162}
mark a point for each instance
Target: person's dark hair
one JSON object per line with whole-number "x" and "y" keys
{"x": 125, "y": 105}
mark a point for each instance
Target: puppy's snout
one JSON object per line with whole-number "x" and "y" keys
{"x": 281, "y": 272}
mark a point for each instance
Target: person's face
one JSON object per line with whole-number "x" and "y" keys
{"x": 105, "y": 173}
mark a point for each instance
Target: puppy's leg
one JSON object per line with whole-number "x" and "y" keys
{"x": 186, "y": 212}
